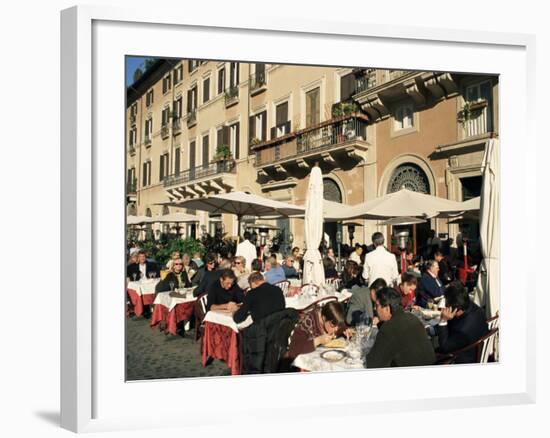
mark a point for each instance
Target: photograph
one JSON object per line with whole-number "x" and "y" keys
{"x": 286, "y": 218}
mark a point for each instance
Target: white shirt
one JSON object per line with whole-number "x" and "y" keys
{"x": 354, "y": 257}
{"x": 381, "y": 263}
{"x": 248, "y": 251}
{"x": 143, "y": 270}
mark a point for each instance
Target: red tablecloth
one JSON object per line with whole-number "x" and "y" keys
{"x": 181, "y": 312}
{"x": 138, "y": 301}
{"x": 221, "y": 342}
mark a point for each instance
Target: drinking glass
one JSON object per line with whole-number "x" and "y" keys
{"x": 134, "y": 276}
{"x": 172, "y": 284}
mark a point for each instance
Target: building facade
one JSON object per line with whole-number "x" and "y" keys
{"x": 203, "y": 127}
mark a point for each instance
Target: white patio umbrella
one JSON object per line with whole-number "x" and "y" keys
{"x": 403, "y": 220}
{"x": 313, "y": 228}
{"x": 138, "y": 220}
{"x": 240, "y": 204}
{"x": 488, "y": 285}
{"x": 332, "y": 211}
{"x": 176, "y": 218}
{"x": 404, "y": 202}
{"x": 470, "y": 206}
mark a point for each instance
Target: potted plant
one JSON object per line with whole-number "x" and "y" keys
{"x": 470, "y": 108}
{"x": 223, "y": 153}
{"x": 255, "y": 141}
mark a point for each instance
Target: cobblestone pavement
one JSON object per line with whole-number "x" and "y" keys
{"x": 150, "y": 354}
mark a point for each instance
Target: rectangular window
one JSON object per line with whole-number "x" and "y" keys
{"x": 234, "y": 75}
{"x": 347, "y": 87}
{"x": 163, "y": 170}
{"x": 219, "y": 137}
{"x": 221, "y": 80}
{"x": 149, "y": 98}
{"x": 206, "y": 90}
{"x": 404, "y": 117}
{"x": 282, "y": 124}
{"x": 165, "y": 116}
{"x": 192, "y": 160}
{"x": 178, "y": 74}
{"x": 146, "y": 177}
{"x": 313, "y": 107}
{"x": 234, "y": 140}
{"x": 177, "y": 161}
{"x": 166, "y": 84}
{"x": 205, "y": 151}
{"x": 192, "y": 99}
{"x": 178, "y": 106}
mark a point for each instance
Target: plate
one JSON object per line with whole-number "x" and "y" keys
{"x": 333, "y": 355}
{"x": 336, "y": 343}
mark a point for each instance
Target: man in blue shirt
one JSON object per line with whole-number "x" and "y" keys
{"x": 274, "y": 273}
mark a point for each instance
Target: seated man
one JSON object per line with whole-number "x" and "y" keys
{"x": 431, "y": 286}
{"x": 401, "y": 340}
{"x": 273, "y": 272}
{"x": 177, "y": 277}
{"x": 224, "y": 294}
{"x": 462, "y": 323}
{"x": 445, "y": 274}
{"x": 289, "y": 269}
{"x": 262, "y": 300}
{"x": 360, "y": 304}
{"x": 142, "y": 269}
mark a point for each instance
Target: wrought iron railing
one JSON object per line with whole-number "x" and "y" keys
{"x": 231, "y": 95}
{"x": 165, "y": 130}
{"x": 257, "y": 80}
{"x": 324, "y": 137}
{"x": 199, "y": 172}
{"x": 131, "y": 187}
{"x": 366, "y": 81}
{"x": 176, "y": 125}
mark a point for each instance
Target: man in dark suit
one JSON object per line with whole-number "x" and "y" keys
{"x": 401, "y": 340}
{"x": 262, "y": 300}
{"x": 430, "y": 287}
{"x": 142, "y": 269}
{"x": 462, "y": 323}
{"x": 445, "y": 274}
{"x": 224, "y": 294}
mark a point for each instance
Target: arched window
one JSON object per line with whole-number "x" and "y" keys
{"x": 331, "y": 191}
{"x": 165, "y": 210}
{"x": 132, "y": 211}
{"x": 409, "y": 176}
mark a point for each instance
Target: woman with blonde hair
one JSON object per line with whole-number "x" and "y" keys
{"x": 174, "y": 256}
{"x": 242, "y": 274}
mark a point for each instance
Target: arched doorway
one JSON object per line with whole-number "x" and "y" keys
{"x": 412, "y": 177}
{"x": 331, "y": 192}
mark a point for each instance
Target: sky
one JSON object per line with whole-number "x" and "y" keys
{"x": 133, "y": 62}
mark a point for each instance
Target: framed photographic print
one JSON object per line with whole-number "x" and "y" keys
{"x": 244, "y": 219}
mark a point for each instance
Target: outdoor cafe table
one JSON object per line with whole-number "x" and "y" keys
{"x": 314, "y": 362}
{"x": 221, "y": 338}
{"x": 173, "y": 310}
{"x": 142, "y": 293}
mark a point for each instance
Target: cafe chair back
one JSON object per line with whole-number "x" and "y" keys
{"x": 480, "y": 347}
{"x": 309, "y": 289}
{"x": 283, "y": 285}
{"x": 200, "y": 312}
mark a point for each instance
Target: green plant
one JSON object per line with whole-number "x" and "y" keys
{"x": 218, "y": 243}
{"x": 344, "y": 109}
{"x": 222, "y": 152}
{"x": 160, "y": 250}
{"x": 255, "y": 141}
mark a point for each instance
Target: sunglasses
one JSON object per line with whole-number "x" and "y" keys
{"x": 237, "y": 263}
{"x": 178, "y": 264}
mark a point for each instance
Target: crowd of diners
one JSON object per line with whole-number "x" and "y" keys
{"x": 381, "y": 295}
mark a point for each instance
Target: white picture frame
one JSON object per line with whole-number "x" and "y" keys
{"x": 93, "y": 397}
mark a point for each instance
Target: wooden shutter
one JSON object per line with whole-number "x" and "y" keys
{"x": 192, "y": 162}
{"x": 312, "y": 107}
{"x": 225, "y": 136}
{"x": 264, "y": 125}
{"x": 347, "y": 87}
{"x": 251, "y": 127}
{"x": 221, "y": 80}
{"x": 188, "y": 101}
{"x": 177, "y": 162}
{"x": 237, "y": 142}
{"x": 281, "y": 114}
{"x": 273, "y": 133}
{"x": 205, "y": 150}
{"x": 195, "y": 94}
{"x": 206, "y": 90}
{"x": 161, "y": 169}
{"x": 144, "y": 175}
{"x": 219, "y": 139}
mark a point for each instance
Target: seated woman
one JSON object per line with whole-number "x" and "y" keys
{"x": 407, "y": 290}
{"x": 174, "y": 256}
{"x": 317, "y": 327}
{"x": 177, "y": 277}
{"x": 330, "y": 268}
{"x": 351, "y": 276}
{"x": 239, "y": 268}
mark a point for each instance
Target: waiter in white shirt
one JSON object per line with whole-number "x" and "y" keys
{"x": 247, "y": 250}
{"x": 380, "y": 263}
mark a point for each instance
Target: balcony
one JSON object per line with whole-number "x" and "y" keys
{"x": 192, "y": 118}
{"x": 337, "y": 143}
{"x": 475, "y": 118}
{"x": 176, "y": 126}
{"x": 131, "y": 190}
{"x": 216, "y": 177}
{"x": 165, "y": 131}
{"x": 258, "y": 82}
{"x": 231, "y": 96}
{"x": 132, "y": 150}
{"x": 147, "y": 140}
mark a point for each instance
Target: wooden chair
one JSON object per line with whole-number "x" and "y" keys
{"x": 334, "y": 281}
{"x": 490, "y": 351}
{"x": 283, "y": 285}
{"x": 319, "y": 303}
{"x": 310, "y": 289}
{"x": 200, "y": 312}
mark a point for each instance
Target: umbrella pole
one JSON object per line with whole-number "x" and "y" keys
{"x": 238, "y": 229}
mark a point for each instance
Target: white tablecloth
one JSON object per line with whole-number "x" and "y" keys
{"x": 169, "y": 302}
{"x": 314, "y": 362}
{"x": 300, "y": 302}
{"x": 144, "y": 287}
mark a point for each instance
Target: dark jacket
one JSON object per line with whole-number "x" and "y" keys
{"x": 265, "y": 342}
{"x": 462, "y": 331}
{"x": 445, "y": 275}
{"x": 260, "y": 302}
{"x": 133, "y": 268}
{"x": 218, "y": 295}
{"x": 164, "y": 285}
{"x": 360, "y": 305}
{"x": 207, "y": 279}
{"x": 402, "y": 341}
{"x": 290, "y": 272}
{"x": 429, "y": 288}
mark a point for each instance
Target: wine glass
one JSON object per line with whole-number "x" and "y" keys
{"x": 172, "y": 284}
{"x": 134, "y": 276}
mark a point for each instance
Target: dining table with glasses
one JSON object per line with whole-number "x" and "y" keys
{"x": 173, "y": 307}
{"x": 221, "y": 339}
{"x": 342, "y": 355}
{"x": 142, "y": 293}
